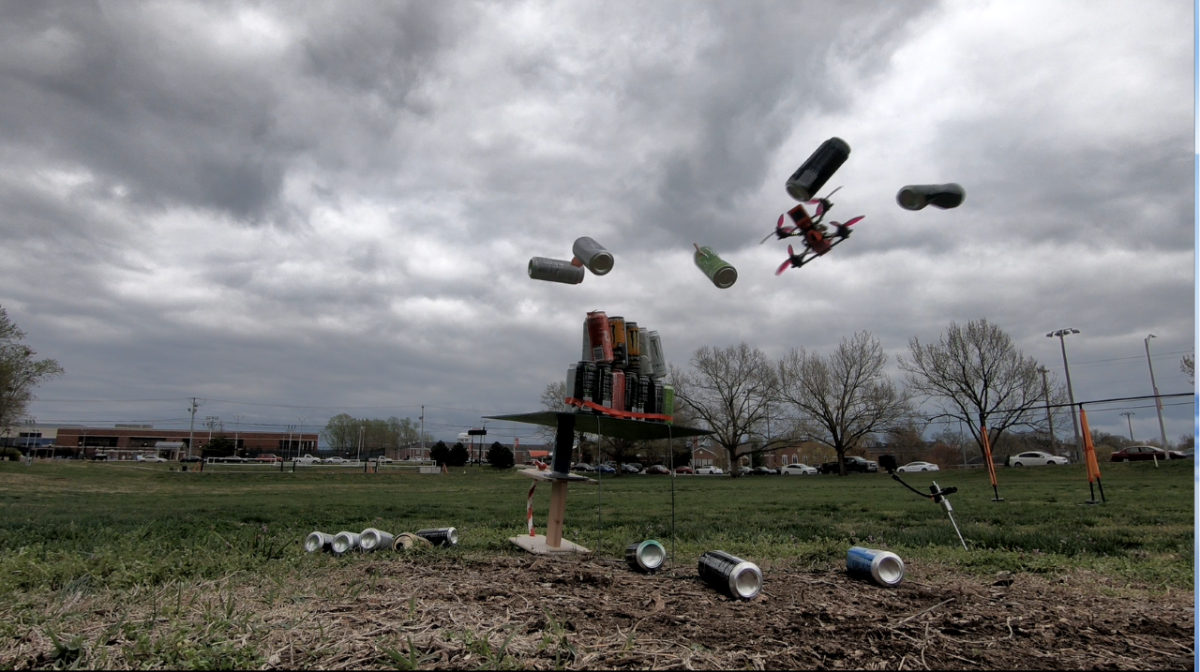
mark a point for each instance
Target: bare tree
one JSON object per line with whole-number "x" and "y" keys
{"x": 19, "y": 374}
{"x": 1188, "y": 365}
{"x": 842, "y": 399}
{"x": 976, "y": 374}
{"x": 554, "y": 398}
{"x": 730, "y": 390}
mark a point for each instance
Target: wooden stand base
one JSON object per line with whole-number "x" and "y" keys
{"x": 537, "y": 545}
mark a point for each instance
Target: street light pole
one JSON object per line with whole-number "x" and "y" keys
{"x": 300, "y": 438}
{"x": 1157, "y": 400}
{"x": 422, "y": 431}
{"x": 1129, "y": 420}
{"x": 237, "y": 423}
{"x": 1070, "y": 391}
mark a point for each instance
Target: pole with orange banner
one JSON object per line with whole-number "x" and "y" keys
{"x": 1089, "y": 453}
{"x": 987, "y": 459}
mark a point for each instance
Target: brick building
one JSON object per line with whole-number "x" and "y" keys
{"x": 86, "y": 441}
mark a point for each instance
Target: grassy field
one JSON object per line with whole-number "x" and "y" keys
{"x": 120, "y": 526}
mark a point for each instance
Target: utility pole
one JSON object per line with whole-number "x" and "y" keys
{"x": 300, "y": 439}
{"x": 361, "y": 429}
{"x": 1157, "y": 400}
{"x": 423, "y": 431}
{"x": 1049, "y": 415}
{"x": 237, "y": 421}
{"x": 1129, "y": 419}
{"x": 192, "y": 425}
{"x": 1070, "y": 391}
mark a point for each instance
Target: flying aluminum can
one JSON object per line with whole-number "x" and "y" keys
{"x": 555, "y": 270}
{"x": 733, "y": 576}
{"x": 808, "y": 179}
{"x": 917, "y": 196}
{"x": 592, "y": 255}
{"x": 721, "y": 272}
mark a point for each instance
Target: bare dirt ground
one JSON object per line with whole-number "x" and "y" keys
{"x": 547, "y": 613}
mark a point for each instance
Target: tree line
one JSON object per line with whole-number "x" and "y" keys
{"x": 345, "y": 434}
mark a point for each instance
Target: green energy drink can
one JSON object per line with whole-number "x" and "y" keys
{"x": 668, "y": 406}
{"x": 721, "y": 272}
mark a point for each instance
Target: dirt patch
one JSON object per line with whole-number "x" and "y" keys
{"x": 541, "y": 613}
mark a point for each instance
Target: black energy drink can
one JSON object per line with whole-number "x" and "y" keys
{"x": 808, "y": 179}
{"x": 917, "y": 196}
{"x": 646, "y": 556}
{"x": 604, "y": 398}
{"x": 731, "y": 575}
{"x": 649, "y": 401}
{"x": 616, "y": 328}
{"x": 633, "y": 342}
{"x": 632, "y": 387}
{"x": 585, "y": 382}
{"x": 441, "y": 536}
{"x": 644, "y": 390}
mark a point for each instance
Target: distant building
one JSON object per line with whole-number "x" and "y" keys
{"x": 86, "y": 441}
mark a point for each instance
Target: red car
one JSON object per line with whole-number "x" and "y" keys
{"x": 657, "y": 469}
{"x": 684, "y": 470}
{"x": 267, "y": 457}
{"x": 1134, "y": 453}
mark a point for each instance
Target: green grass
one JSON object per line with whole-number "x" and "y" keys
{"x": 83, "y": 527}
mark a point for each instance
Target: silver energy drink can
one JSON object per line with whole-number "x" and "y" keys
{"x": 808, "y": 179}
{"x": 555, "y": 270}
{"x": 882, "y": 567}
{"x": 593, "y": 255}
{"x": 372, "y": 539}
{"x": 344, "y": 542}
{"x": 645, "y": 364}
{"x": 737, "y": 578}
{"x": 647, "y": 556}
{"x": 442, "y": 536}
{"x": 572, "y": 377}
{"x": 657, "y": 360}
{"x": 721, "y": 272}
{"x": 587, "y": 344}
{"x": 917, "y": 196}
{"x": 318, "y": 541}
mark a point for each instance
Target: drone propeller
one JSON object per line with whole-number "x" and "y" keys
{"x": 780, "y": 231}
{"x": 787, "y": 264}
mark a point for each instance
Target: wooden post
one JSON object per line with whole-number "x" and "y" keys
{"x": 558, "y": 510}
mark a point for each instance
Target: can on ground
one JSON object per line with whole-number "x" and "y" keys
{"x": 318, "y": 541}
{"x": 555, "y": 270}
{"x": 616, "y": 329}
{"x": 372, "y": 539}
{"x": 441, "y": 536}
{"x": 721, "y": 272}
{"x": 808, "y": 179}
{"x": 882, "y": 567}
{"x": 593, "y": 255}
{"x": 733, "y": 576}
{"x": 601, "y": 340}
{"x": 344, "y": 542}
{"x": 407, "y": 540}
{"x": 657, "y": 359}
{"x": 648, "y": 556}
{"x": 917, "y": 196}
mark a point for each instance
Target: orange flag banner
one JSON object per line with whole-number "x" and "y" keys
{"x": 1089, "y": 448}
{"x": 987, "y": 455}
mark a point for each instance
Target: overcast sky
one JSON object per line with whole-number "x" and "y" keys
{"x": 293, "y": 211}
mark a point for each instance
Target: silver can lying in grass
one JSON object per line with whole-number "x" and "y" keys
{"x": 344, "y": 542}
{"x": 737, "y": 578}
{"x": 318, "y": 541}
{"x": 372, "y": 539}
{"x": 882, "y": 567}
{"x": 648, "y": 556}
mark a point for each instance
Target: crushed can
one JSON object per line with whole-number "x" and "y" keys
{"x": 731, "y": 575}
{"x": 808, "y": 179}
{"x": 882, "y": 567}
{"x": 648, "y": 556}
{"x": 407, "y": 540}
{"x": 555, "y": 270}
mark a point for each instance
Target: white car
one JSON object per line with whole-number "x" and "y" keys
{"x": 150, "y": 458}
{"x": 798, "y": 469}
{"x": 710, "y": 470}
{"x": 335, "y": 460}
{"x": 384, "y": 460}
{"x": 917, "y": 466}
{"x": 1036, "y": 458}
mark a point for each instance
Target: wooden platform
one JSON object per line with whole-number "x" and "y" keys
{"x": 538, "y": 546}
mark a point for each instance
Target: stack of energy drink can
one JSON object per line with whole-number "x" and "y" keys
{"x": 622, "y": 367}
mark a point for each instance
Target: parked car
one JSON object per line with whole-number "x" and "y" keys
{"x": 606, "y": 469}
{"x": 798, "y": 469}
{"x": 764, "y": 471}
{"x": 190, "y": 459}
{"x": 631, "y": 468}
{"x": 684, "y": 470}
{"x": 713, "y": 471}
{"x": 308, "y": 459}
{"x": 150, "y": 458}
{"x": 917, "y": 466}
{"x": 1035, "y": 458}
{"x": 1134, "y": 453}
{"x": 853, "y": 464}
{"x": 335, "y": 460}
{"x": 583, "y": 466}
{"x": 744, "y": 471}
{"x": 657, "y": 469}
{"x": 384, "y": 460}
{"x": 267, "y": 457}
